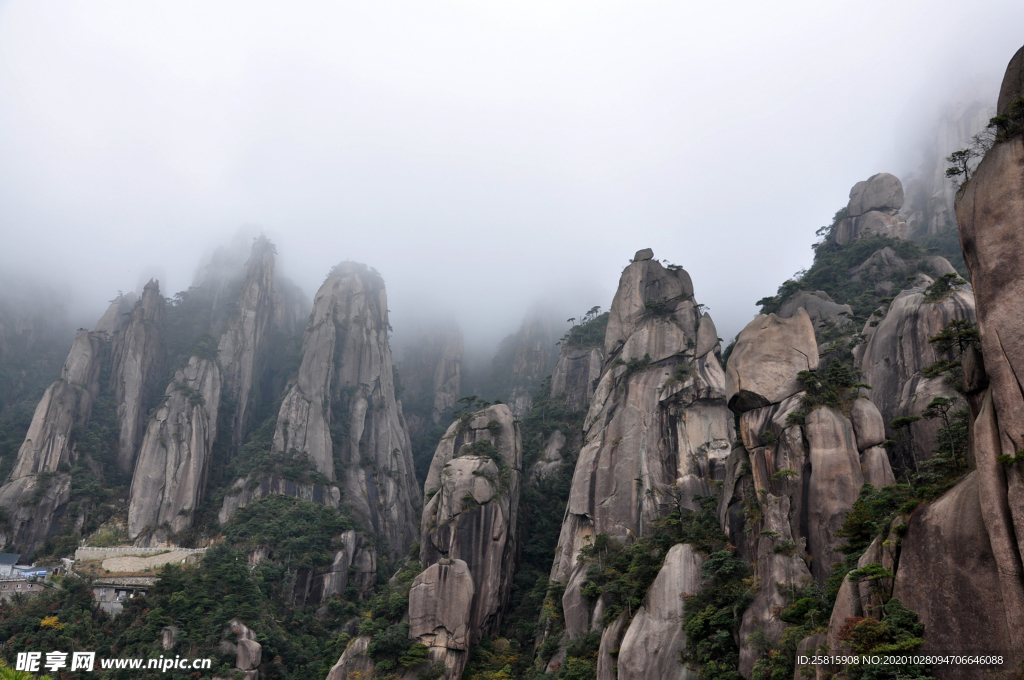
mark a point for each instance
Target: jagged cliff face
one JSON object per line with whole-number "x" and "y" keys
{"x": 929, "y": 193}
{"x": 244, "y": 342}
{"x": 575, "y": 376}
{"x": 175, "y": 456}
{"x": 658, "y": 429}
{"x": 470, "y": 524}
{"x": 896, "y": 351}
{"x": 41, "y": 470}
{"x": 797, "y": 472}
{"x": 137, "y": 370}
{"x": 341, "y": 406}
{"x": 873, "y": 210}
{"x": 66, "y": 402}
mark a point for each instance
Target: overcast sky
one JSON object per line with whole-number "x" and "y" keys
{"x": 481, "y": 155}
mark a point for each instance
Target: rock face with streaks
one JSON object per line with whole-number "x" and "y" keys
{"x": 897, "y": 350}
{"x": 534, "y": 357}
{"x": 471, "y": 510}
{"x": 576, "y": 374}
{"x": 658, "y": 429}
{"x": 174, "y": 459}
{"x": 138, "y": 370}
{"x": 256, "y": 486}
{"x": 976, "y": 530}
{"x": 440, "y": 609}
{"x": 835, "y": 482}
{"x": 947, "y": 565}
{"x": 65, "y": 403}
{"x": 41, "y": 469}
{"x": 777, "y": 565}
{"x": 342, "y": 407}
{"x": 243, "y": 344}
{"x": 654, "y": 640}
{"x": 430, "y": 367}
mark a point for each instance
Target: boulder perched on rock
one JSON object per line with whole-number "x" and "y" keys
{"x": 768, "y": 355}
{"x": 873, "y": 210}
{"x": 878, "y": 192}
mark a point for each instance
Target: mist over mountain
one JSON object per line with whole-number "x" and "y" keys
{"x": 541, "y": 341}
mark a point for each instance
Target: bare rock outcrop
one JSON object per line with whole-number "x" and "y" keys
{"x": 823, "y": 312}
{"x": 137, "y": 371}
{"x": 551, "y": 457}
{"x": 44, "y": 458}
{"x": 655, "y": 638}
{"x": 115, "y": 316}
{"x": 243, "y": 343}
{"x": 575, "y": 375}
{"x": 777, "y": 565}
{"x": 835, "y": 482}
{"x": 356, "y": 559}
{"x": 768, "y": 355}
{"x": 342, "y": 405}
{"x": 440, "y": 605}
{"x": 472, "y": 508}
{"x": 29, "y": 525}
{"x": 948, "y": 574}
{"x": 896, "y": 352}
{"x": 174, "y": 459}
{"x": 873, "y": 210}
{"x": 658, "y": 429}
{"x": 66, "y": 402}
{"x": 355, "y": 663}
{"x": 254, "y": 487}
